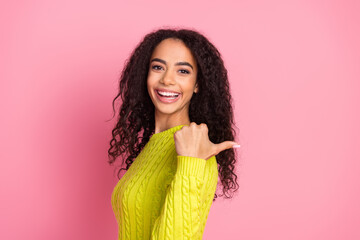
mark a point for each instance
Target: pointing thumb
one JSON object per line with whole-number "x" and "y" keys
{"x": 226, "y": 145}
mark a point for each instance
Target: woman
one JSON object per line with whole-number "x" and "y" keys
{"x": 175, "y": 126}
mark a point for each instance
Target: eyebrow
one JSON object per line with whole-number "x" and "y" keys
{"x": 176, "y": 64}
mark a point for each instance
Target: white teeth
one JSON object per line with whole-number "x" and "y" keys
{"x": 168, "y": 94}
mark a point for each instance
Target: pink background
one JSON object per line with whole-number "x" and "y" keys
{"x": 294, "y": 75}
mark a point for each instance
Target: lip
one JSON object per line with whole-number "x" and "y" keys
{"x": 165, "y": 99}
{"x": 165, "y": 90}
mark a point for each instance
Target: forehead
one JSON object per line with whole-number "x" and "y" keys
{"x": 173, "y": 50}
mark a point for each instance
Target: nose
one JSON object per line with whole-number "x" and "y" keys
{"x": 167, "y": 78}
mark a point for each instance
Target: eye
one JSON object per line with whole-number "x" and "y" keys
{"x": 156, "y": 67}
{"x": 184, "y": 71}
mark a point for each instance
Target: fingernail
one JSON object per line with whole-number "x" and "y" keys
{"x": 236, "y": 146}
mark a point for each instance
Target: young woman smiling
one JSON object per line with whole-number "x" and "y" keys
{"x": 175, "y": 126}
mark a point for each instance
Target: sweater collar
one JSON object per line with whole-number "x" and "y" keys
{"x": 169, "y": 131}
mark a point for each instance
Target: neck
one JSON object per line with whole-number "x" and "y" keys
{"x": 166, "y": 121}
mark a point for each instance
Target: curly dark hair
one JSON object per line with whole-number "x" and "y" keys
{"x": 210, "y": 105}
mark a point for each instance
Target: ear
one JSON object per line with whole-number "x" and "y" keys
{"x": 196, "y": 88}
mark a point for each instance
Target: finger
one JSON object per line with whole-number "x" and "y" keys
{"x": 226, "y": 145}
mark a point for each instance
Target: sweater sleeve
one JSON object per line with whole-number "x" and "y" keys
{"x": 188, "y": 200}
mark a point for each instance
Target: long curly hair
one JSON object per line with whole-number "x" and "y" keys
{"x": 211, "y": 105}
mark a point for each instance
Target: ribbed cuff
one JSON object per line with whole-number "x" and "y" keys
{"x": 191, "y": 166}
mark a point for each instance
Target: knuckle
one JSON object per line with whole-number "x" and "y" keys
{"x": 193, "y": 125}
{"x": 204, "y": 126}
{"x": 183, "y": 129}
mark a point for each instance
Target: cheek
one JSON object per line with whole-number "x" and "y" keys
{"x": 150, "y": 81}
{"x": 149, "y": 86}
{"x": 152, "y": 78}
{"x": 189, "y": 85}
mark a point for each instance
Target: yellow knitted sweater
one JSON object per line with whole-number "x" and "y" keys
{"x": 163, "y": 195}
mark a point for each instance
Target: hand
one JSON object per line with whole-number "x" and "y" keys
{"x": 193, "y": 141}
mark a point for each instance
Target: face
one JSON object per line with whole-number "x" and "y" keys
{"x": 171, "y": 78}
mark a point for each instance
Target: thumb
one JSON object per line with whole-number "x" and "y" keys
{"x": 226, "y": 145}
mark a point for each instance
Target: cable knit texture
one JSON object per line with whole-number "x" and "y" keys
{"x": 164, "y": 195}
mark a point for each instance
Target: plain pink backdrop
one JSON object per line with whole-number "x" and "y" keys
{"x": 294, "y": 73}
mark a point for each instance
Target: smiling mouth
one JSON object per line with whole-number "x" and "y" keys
{"x": 167, "y": 97}
{"x": 170, "y": 95}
